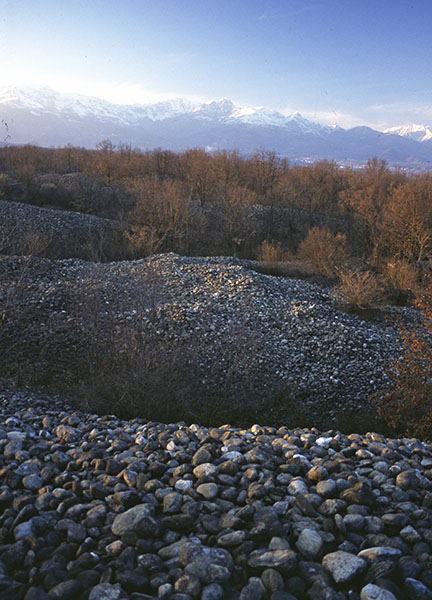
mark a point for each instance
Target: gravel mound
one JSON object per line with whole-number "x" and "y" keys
{"x": 102, "y": 508}
{"x": 27, "y": 229}
{"x": 248, "y": 333}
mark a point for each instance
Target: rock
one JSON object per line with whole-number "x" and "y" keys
{"x": 253, "y": 590}
{"x": 343, "y": 567}
{"x": 360, "y": 493}
{"x": 272, "y": 580}
{"x": 67, "y": 434}
{"x": 188, "y": 584}
{"x": 201, "y": 456}
{"x": 79, "y": 528}
{"x": 107, "y": 591}
{"x": 66, "y": 590}
{"x": 408, "y": 480}
{"x": 214, "y": 591}
{"x": 282, "y": 559}
{"x": 125, "y": 522}
{"x": 374, "y": 592}
{"x": 233, "y": 538}
{"x": 35, "y": 593}
{"x": 309, "y": 544}
{"x": 208, "y": 490}
{"x": 32, "y": 482}
{"x": 204, "y": 470}
{"x": 172, "y": 503}
{"x": 416, "y": 590}
{"x": 380, "y": 552}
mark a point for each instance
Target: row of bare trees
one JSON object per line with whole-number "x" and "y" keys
{"x": 199, "y": 203}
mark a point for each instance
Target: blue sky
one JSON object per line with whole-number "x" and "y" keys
{"x": 343, "y": 62}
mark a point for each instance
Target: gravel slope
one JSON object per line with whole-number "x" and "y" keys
{"x": 28, "y": 229}
{"x": 248, "y": 333}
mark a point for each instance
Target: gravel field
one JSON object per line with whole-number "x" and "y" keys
{"x": 249, "y": 333}
{"x": 103, "y": 508}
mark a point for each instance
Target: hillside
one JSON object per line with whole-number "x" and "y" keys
{"x": 208, "y": 328}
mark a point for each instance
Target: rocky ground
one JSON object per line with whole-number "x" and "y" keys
{"x": 102, "y": 508}
{"x": 27, "y": 229}
{"x": 250, "y": 334}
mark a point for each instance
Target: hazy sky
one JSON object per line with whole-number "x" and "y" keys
{"x": 343, "y": 62}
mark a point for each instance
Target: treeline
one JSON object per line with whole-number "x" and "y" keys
{"x": 197, "y": 203}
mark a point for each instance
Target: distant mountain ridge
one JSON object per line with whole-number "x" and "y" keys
{"x": 44, "y": 117}
{"x": 419, "y": 133}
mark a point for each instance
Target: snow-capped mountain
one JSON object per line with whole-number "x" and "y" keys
{"x": 45, "y": 117}
{"x": 419, "y": 133}
{"x": 43, "y": 101}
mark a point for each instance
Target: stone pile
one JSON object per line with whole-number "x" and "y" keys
{"x": 250, "y": 334}
{"x": 26, "y": 229}
{"x": 95, "y": 507}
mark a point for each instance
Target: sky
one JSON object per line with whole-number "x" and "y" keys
{"x": 340, "y": 62}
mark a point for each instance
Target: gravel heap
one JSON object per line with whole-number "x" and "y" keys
{"x": 103, "y": 508}
{"x": 58, "y": 233}
{"x": 248, "y": 331}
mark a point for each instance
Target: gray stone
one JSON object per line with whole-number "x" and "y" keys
{"x": 208, "y": 490}
{"x": 408, "y": 480}
{"x": 201, "y": 456}
{"x": 380, "y": 553}
{"x": 24, "y": 530}
{"x": 282, "y": 559}
{"x": 327, "y": 488}
{"x": 66, "y": 590}
{"x": 188, "y": 584}
{"x": 125, "y": 522}
{"x": 172, "y": 503}
{"x": 343, "y": 567}
{"x": 417, "y": 590}
{"x": 272, "y": 580}
{"x": 374, "y": 592}
{"x": 106, "y": 591}
{"x": 309, "y": 544}
{"x": 204, "y": 470}
{"x": 253, "y": 590}
{"x": 233, "y": 538}
{"x": 410, "y": 535}
{"x": 213, "y": 591}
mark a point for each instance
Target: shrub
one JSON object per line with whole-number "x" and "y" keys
{"x": 402, "y": 280}
{"x": 358, "y": 288}
{"x": 272, "y": 252}
{"x": 324, "y": 250}
{"x": 407, "y": 406}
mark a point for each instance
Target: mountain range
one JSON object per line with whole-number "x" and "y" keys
{"x": 45, "y": 117}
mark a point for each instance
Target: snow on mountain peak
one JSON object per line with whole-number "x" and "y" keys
{"x": 419, "y": 133}
{"x": 43, "y": 100}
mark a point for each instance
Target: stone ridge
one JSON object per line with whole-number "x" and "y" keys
{"x": 60, "y": 232}
{"x": 101, "y": 508}
{"x": 251, "y": 332}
